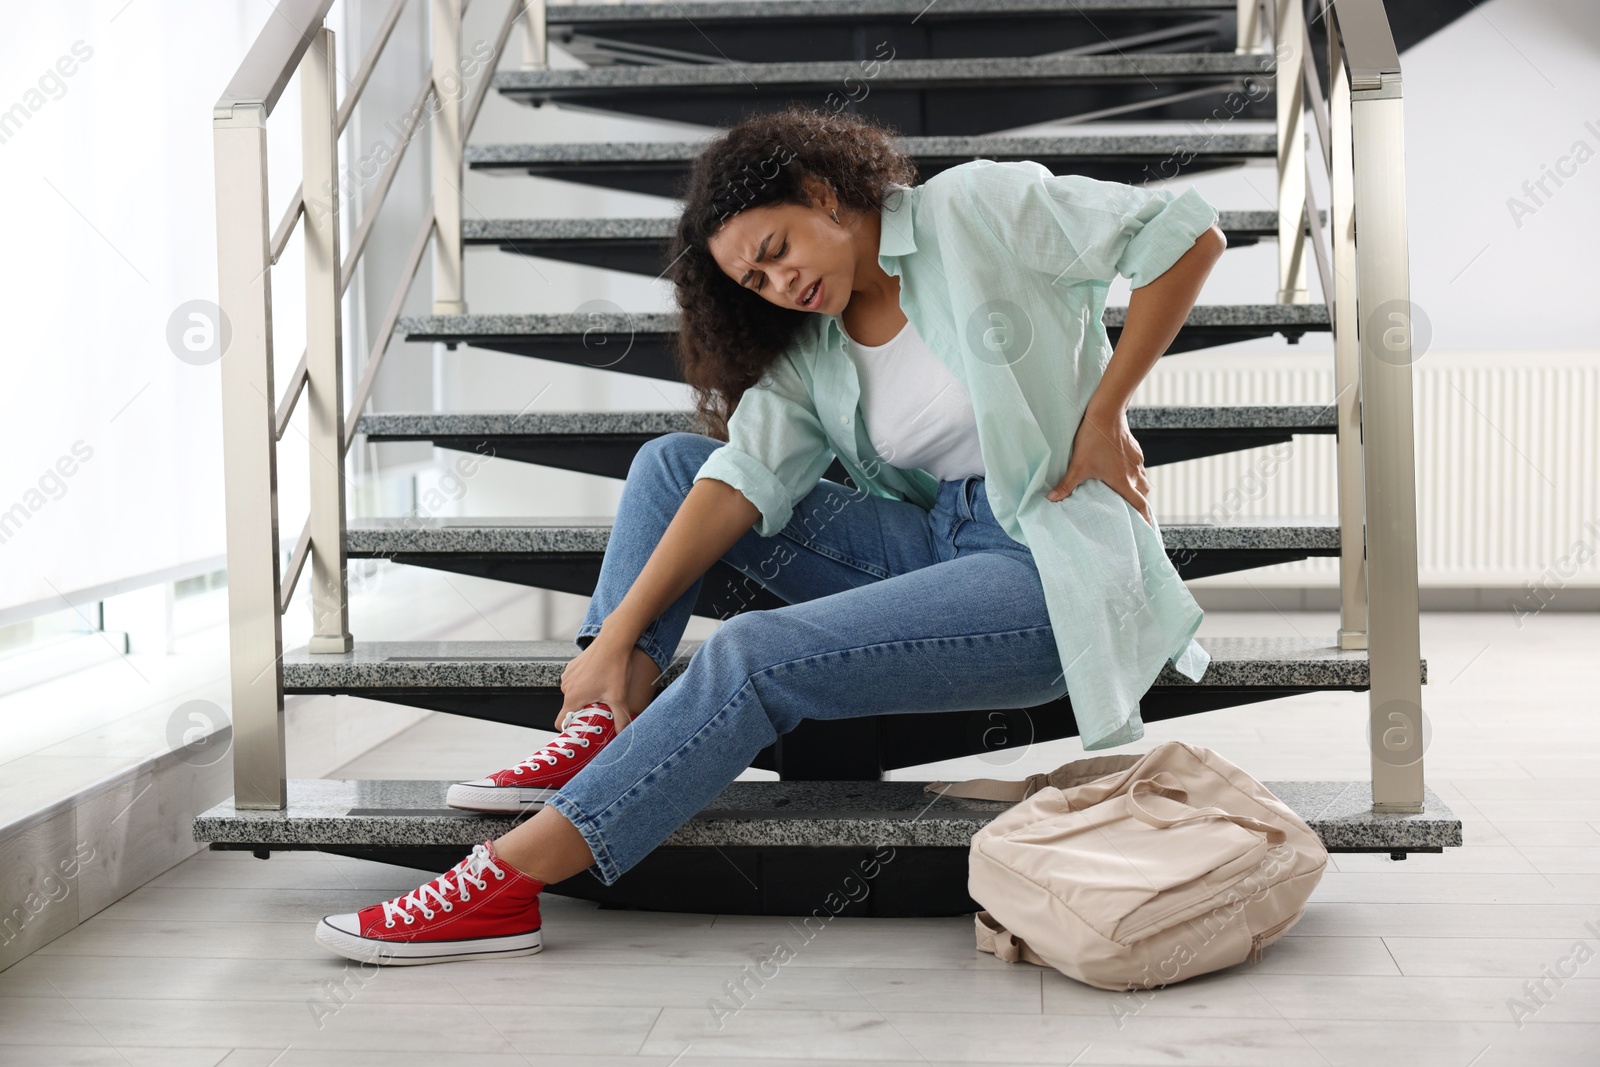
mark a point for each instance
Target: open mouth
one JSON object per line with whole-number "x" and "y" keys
{"x": 809, "y": 297}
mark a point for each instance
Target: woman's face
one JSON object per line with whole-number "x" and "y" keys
{"x": 781, "y": 251}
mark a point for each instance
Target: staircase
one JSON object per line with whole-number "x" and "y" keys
{"x": 953, "y": 78}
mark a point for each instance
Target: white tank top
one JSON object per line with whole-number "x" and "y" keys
{"x": 918, "y": 415}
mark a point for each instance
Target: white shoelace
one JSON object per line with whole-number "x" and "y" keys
{"x": 468, "y": 872}
{"x": 547, "y": 754}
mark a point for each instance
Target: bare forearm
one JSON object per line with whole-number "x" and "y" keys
{"x": 711, "y": 518}
{"x": 1156, "y": 312}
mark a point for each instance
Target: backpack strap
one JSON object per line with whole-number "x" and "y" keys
{"x": 1076, "y": 773}
{"x": 990, "y": 788}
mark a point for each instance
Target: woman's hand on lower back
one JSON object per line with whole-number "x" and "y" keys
{"x": 1105, "y": 449}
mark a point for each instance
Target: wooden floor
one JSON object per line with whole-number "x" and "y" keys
{"x": 1416, "y": 963}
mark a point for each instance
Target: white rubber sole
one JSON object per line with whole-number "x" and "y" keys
{"x": 496, "y": 799}
{"x": 412, "y": 953}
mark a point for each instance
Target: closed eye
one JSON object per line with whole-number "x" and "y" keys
{"x": 776, "y": 255}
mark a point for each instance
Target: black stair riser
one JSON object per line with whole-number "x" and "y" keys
{"x": 961, "y": 109}
{"x": 666, "y": 177}
{"x": 934, "y": 34}
{"x": 648, "y": 355}
{"x": 577, "y": 572}
{"x": 647, "y": 256}
{"x": 858, "y": 749}
{"x": 611, "y": 455}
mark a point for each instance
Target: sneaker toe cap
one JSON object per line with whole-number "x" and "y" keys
{"x": 348, "y": 923}
{"x": 480, "y": 783}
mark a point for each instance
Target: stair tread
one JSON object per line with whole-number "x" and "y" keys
{"x": 985, "y": 73}
{"x": 971, "y": 146}
{"x": 698, "y": 11}
{"x": 490, "y": 423}
{"x": 412, "y": 534}
{"x": 1236, "y": 662}
{"x": 661, "y": 227}
{"x": 786, "y": 814}
{"x": 464, "y": 327}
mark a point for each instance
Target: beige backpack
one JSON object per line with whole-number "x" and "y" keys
{"x": 1130, "y": 871}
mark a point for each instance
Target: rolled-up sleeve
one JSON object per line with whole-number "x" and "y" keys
{"x": 776, "y": 449}
{"x": 1080, "y": 229}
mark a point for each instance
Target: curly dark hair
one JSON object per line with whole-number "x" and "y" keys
{"x": 728, "y": 336}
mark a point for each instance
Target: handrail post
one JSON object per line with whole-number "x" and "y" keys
{"x": 249, "y": 458}
{"x": 536, "y": 37}
{"x": 1346, "y": 359}
{"x": 448, "y": 86}
{"x": 1290, "y": 35}
{"x": 319, "y": 140}
{"x": 1389, "y": 445}
{"x": 1248, "y": 26}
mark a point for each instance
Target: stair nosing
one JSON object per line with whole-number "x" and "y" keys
{"x": 522, "y": 153}
{"x": 974, "y": 72}
{"x": 379, "y": 665}
{"x": 696, "y": 11}
{"x": 466, "y": 327}
{"x": 1172, "y": 417}
{"x": 768, "y": 814}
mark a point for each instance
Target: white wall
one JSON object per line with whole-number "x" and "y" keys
{"x": 107, "y": 178}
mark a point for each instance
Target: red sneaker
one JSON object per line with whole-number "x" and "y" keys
{"x": 535, "y": 780}
{"x": 482, "y": 908}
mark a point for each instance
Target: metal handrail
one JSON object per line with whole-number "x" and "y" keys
{"x": 273, "y": 59}
{"x": 1367, "y": 42}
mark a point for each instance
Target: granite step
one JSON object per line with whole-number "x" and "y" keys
{"x": 762, "y": 847}
{"x": 518, "y": 682}
{"x": 602, "y": 336}
{"x": 604, "y": 443}
{"x": 922, "y": 97}
{"x": 565, "y": 553}
{"x": 719, "y": 31}
{"x": 658, "y": 168}
{"x": 639, "y": 245}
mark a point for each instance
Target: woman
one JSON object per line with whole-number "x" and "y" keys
{"x": 943, "y": 341}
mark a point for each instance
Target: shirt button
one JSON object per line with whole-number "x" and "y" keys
{"x": 844, "y": 420}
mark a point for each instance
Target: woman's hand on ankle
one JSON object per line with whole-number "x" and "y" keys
{"x": 598, "y": 672}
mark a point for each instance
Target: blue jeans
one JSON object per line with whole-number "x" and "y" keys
{"x": 891, "y": 608}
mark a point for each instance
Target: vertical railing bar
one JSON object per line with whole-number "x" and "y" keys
{"x": 446, "y": 148}
{"x": 1247, "y": 29}
{"x": 1346, "y": 357}
{"x": 1319, "y": 109}
{"x": 319, "y": 154}
{"x": 1290, "y": 94}
{"x": 536, "y": 36}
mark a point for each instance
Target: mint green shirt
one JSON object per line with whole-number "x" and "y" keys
{"x": 1004, "y": 270}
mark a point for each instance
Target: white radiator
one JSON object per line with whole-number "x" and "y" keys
{"x": 1508, "y": 462}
